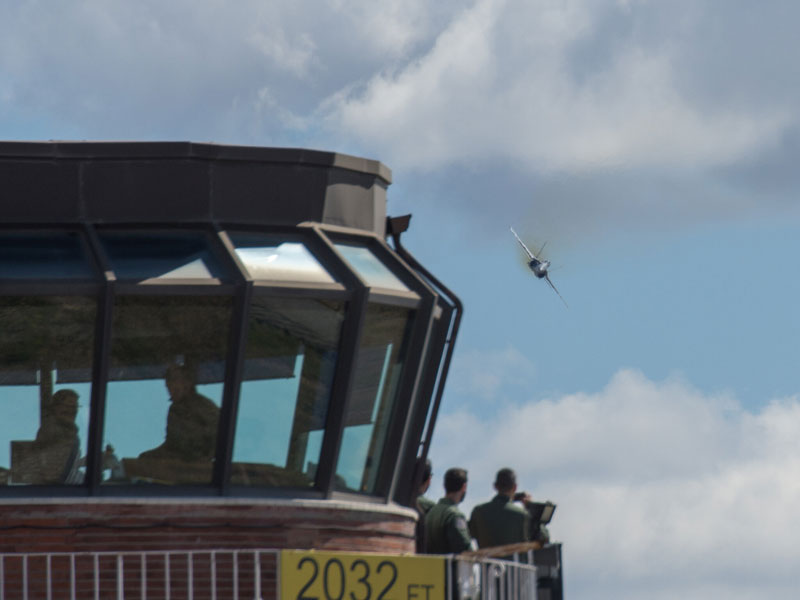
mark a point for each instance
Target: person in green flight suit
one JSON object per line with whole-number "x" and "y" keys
{"x": 446, "y": 530}
{"x": 501, "y": 521}
{"x": 423, "y": 504}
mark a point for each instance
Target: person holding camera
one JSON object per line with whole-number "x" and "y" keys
{"x": 501, "y": 521}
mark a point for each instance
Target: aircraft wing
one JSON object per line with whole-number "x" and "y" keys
{"x": 521, "y": 243}
{"x": 547, "y": 278}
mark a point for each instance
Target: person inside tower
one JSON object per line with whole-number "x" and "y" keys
{"x": 55, "y": 454}
{"x": 191, "y": 421}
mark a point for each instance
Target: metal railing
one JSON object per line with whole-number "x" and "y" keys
{"x": 181, "y": 575}
{"x": 217, "y": 575}
{"x": 481, "y": 578}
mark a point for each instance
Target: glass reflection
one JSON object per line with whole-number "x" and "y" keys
{"x": 171, "y": 255}
{"x": 45, "y": 373}
{"x": 371, "y": 269}
{"x": 379, "y": 364}
{"x": 43, "y": 255}
{"x": 289, "y": 367}
{"x": 165, "y": 388}
{"x": 274, "y": 258}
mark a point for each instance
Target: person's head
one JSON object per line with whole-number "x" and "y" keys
{"x": 506, "y": 482}
{"x": 455, "y": 483}
{"x": 180, "y": 380}
{"x": 427, "y": 472}
{"x": 64, "y": 406}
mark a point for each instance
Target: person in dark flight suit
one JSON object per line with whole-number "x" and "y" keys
{"x": 423, "y": 504}
{"x": 446, "y": 530}
{"x": 191, "y": 421}
{"x": 501, "y": 521}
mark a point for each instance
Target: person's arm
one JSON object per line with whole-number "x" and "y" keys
{"x": 458, "y": 535}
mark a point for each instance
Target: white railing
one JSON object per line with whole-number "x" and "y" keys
{"x": 215, "y": 575}
{"x": 181, "y": 575}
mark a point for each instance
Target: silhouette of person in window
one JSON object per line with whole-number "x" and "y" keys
{"x": 191, "y": 421}
{"x": 57, "y": 443}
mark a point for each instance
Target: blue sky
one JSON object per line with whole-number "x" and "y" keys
{"x": 652, "y": 145}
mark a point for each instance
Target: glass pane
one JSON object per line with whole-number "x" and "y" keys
{"x": 371, "y": 269}
{"x": 45, "y": 374}
{"x": 274, "y": 258}
{"x": 165, "y": 388}
{"x": 172, "y": 255}
{"x": 43, "y": 255}
{"x": 379, "y": 364}
{"x": 289, "y": 366}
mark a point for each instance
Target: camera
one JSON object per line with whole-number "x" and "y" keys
{"x": 541, "y": 513}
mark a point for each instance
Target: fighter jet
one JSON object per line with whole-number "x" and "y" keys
{"x": 538, "y": 266}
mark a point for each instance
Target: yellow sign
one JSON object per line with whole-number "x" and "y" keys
{"x": 316, "y": 575}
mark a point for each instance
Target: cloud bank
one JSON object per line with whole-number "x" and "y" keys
{"x": 583, "y": 116}
{"x": 662, "y": 491}
{"x": 502, "y": 80}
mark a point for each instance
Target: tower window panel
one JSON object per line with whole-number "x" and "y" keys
{"x": 283, "y": 405}
{"x": 274, "y": 258}
{"x": 46, "y": 355}
{"x": 165, "y": 388}
{"x": 379, "y": 365}
{"x": 370, "y": 267}
{"x": 43, "y": 255}
{"x": 160, "y": 255}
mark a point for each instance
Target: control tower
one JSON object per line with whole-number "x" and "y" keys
{"x": 209, "y": 346}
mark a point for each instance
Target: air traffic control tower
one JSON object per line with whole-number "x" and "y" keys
{"x": 209, "y": 346}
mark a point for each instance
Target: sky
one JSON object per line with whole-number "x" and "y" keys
{"x": 652, "y": 145}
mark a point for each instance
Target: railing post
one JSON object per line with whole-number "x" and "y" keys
{"x": 190, "y": 574}
{"x": 213, "y": 575}
{"x": 257, "y": 575}
{"x": 143, "y": 576}
{"x": 120, "y": 578}
{"x": 235, "y": 573}
{"x": 96, "y": 576}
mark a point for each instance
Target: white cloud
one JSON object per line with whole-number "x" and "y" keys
{"x": 484, "y": 373}
{"x": 662, "y": 491}
{"x": 499, "y": 83}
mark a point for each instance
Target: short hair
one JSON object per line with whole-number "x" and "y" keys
{"x": 65, "y": 396}
{"x": 183, "y": 372}
{"x": 427, "y": 470}
{"x": 506, "y": 479}
{"x": 454, "y": 479}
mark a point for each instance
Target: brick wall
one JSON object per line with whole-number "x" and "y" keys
{"x": 101, "y": 524}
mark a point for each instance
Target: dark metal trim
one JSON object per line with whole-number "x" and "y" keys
{"x": 22, "y": 287}
{"x": 234, "y": 365}
{"x": 100, "y": 364}
{"x": 345, "y": 367}
{"x": 167, "y": 288}
{"x": 406, "y": 395}
{"x": 383, "y": 296}
{"x": 445, "y": 365}
{"x": 404, "y": 491}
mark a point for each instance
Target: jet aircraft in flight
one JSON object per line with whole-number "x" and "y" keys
{"x": 538, "y": 266}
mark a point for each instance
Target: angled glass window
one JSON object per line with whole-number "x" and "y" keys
{"x": 379, "y": 364}
{"x": 283, "y": 406}
{"x": 165, "y": 388}
{"x": 370, "y": 267}
{"x": 160, "y": 255}
{"x": 46, "y": 354}
{"x": 274, "y": 258}
{"x": 43, "y": 255}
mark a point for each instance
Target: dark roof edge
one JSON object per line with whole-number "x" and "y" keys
{"x": 56, "y": 149}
